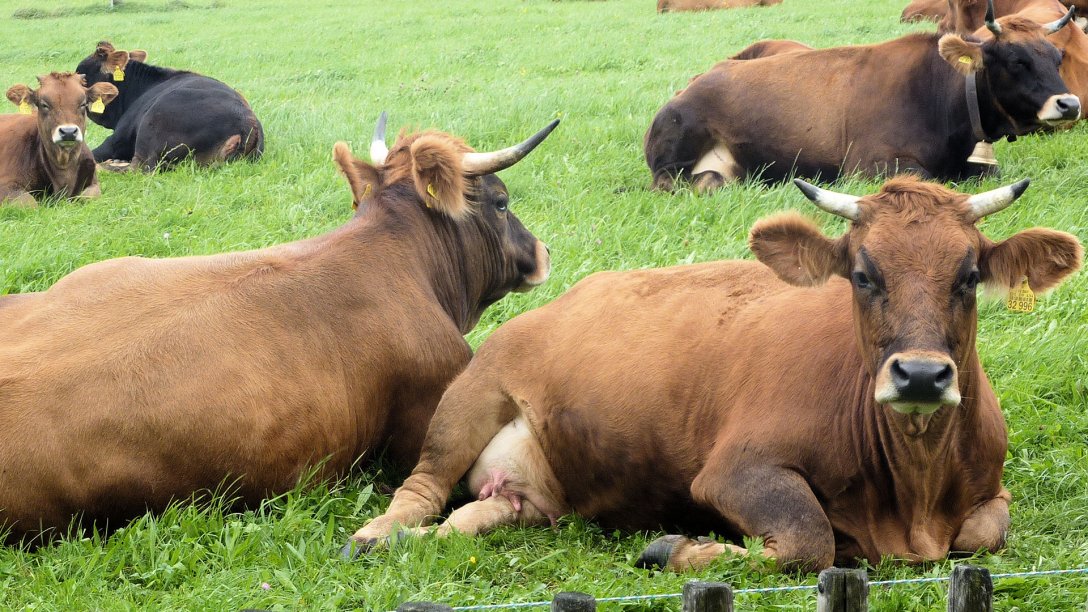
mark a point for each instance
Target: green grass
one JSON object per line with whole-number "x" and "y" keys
{"x": 494, "y": 72}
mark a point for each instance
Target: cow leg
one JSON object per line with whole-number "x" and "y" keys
{"x": 16, "y": 197}
{"x": 92, "y": 191}
{"x": 113, "y": 148}
{"x": 986, "y": 527}
{"x": 471, "y": 412}
{"x": 487, "y": 514}
{"x": 766, "y": 501}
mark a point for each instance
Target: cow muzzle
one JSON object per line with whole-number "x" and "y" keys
{"x": 1060, "y": 109}
{"x": 543, "y": 268}
{"x": 67, "y": 135}
{"x": 918, "y": 383}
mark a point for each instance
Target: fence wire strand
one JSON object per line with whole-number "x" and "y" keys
{"x": 779, "y": 589}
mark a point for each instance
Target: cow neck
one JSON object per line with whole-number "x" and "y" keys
{"x": 139, "y": 79}
{"x": 994, "y": 123}
{"x": 915, "y": 467}
{"x": 436, "y": 252}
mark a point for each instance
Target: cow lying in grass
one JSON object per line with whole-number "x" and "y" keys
{"x": 162, "y": 115}
{"x": 133, "y": 382}
{"x": 41, "y": 149}
{"x": 672, "y": 6}
{"x": 835, "y": 419}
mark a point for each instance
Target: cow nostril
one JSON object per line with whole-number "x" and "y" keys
{"x": 944, "y": 377}
{"x": 1068, "y": 105}
{"x": 900, "y": 377}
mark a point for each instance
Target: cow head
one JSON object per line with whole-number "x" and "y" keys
{"x": 914, "y": 258}
{"x": 1019, "y": 68}
{"x": 62, "y": 101}
{"x": 107, "y": 64}
{"x": 457, "y": 189}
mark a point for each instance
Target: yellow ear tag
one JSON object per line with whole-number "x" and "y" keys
{"x": 1021, "y": 299}
{"x": 430, "y": 190}
{"x": 366, "y": 192}
{"x": 98, "y": 106}
{"x": 24, "y": 108}
{"x": 118, "y": 74}
{"x": 965, "y": 59}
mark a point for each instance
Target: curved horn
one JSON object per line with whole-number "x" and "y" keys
{"x": 478, "y": 164}
{"x": 991, "y": 22}
{"x": 1056, "y": 25}
{"x": 841, "y": 204}
{"x": 378, "y": 150}
{"x": 989, "y": 202}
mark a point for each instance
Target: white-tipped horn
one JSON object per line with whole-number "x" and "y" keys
{"x": 479, "y": 164}
{"x": 378, "y": 150}
{"x": 989, "y": 202}
{"x": 841, "y": 204}
{"x": 1058, "y": 24}
{"x": 991, "y": 21}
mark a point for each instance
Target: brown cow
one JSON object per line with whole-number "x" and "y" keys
{"x": 919, "y": 103}
{"x": 835, "y": 420}
{"x": 42, "y": 150}
{"x": 672, "y": 6}
{"x": 134, "y": 382}
{"x": 967, "y": 16}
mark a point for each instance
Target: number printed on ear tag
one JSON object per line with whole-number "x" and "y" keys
{"x": 1021, "y": 299}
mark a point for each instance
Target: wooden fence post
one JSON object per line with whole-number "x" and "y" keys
{"x": 573, "y": 602}
{"x": 707, "y": 597}
{"x": 971, "y": 590}
{"x": 842, "y": 590}
{"x": 422, "y": 606}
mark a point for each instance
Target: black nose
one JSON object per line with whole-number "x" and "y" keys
{"x": 921, "y": 380}
{"x": 1068, "y": 106}
{"x": 68, "y": 132}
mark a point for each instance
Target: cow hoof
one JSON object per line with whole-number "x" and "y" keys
{"x": 706, "y": 182}
{"x": 659, "y": 551}
{"x": 357, "y": 548}
{"x": 663, "y": 182}
{"x": 114, "y": 165}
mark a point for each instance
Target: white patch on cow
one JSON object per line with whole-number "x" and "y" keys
{"x": 719, "y": 160}
{"x": 513, "y": 466}
{"x": 1052, "y": 114}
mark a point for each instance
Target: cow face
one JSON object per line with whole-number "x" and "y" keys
{"x": 62, "y": 101}
{"x": 440, "y": 174}
{"x": 107, "y": 65}
{"x": 914, "y": 260}
{"x": 1020, "y": 69}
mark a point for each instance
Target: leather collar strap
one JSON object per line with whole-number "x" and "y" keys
{"x": 972, "y": 108}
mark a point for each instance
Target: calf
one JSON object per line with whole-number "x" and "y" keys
{"x": 835, "y": 420}
{"x": 919, "y": 103}
{"x": 162, "y": 116}
{"x": 42, "y": 150}
{"x": 134, "y": 382}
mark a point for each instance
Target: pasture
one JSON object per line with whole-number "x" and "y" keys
{"x": 494, "y": 72}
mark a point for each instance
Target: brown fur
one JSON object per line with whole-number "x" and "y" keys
{"x": 721, "y": 397}
{"x": 30, "y": 162}
{"x": 765, "y": 48}
{"x": 134, "y": 382}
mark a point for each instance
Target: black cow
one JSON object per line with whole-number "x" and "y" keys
{"x": 162, "y": 115}
{"x": 903, "y": 105}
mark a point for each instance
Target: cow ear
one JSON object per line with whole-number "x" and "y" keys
{"x": 138, "y": 55}
{"x": 102, "y": 91}
{"x": 797, "y": 250}
{"x": 116, "y": 59}
{"x": 436, "y": 171}
{"x": 20, "y": 93}
{"x": 964, "y": 56}
{"x": 363, "y": 178}
{"x": 103, "y": 50}
{"x": 1044, "y": 256}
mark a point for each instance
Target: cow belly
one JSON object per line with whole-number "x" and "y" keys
{"x": 513, "y": 466}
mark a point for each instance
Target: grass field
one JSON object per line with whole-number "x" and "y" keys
{"x": 493, "y": 72}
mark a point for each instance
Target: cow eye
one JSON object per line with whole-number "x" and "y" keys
{"x": 502, "y": 204}
{"x": 861, "y": 281}
{"x": 971, "y": 282}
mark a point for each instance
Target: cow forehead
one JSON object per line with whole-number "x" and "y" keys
{"x": 923, "y": 227}
{"x": 62, "y": 84}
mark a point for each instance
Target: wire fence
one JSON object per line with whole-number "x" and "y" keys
{"x": 779, "y": 589}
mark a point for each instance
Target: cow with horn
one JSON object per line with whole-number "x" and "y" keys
{"x": 135, "y": 382}
{"x": 827, "y": 399}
